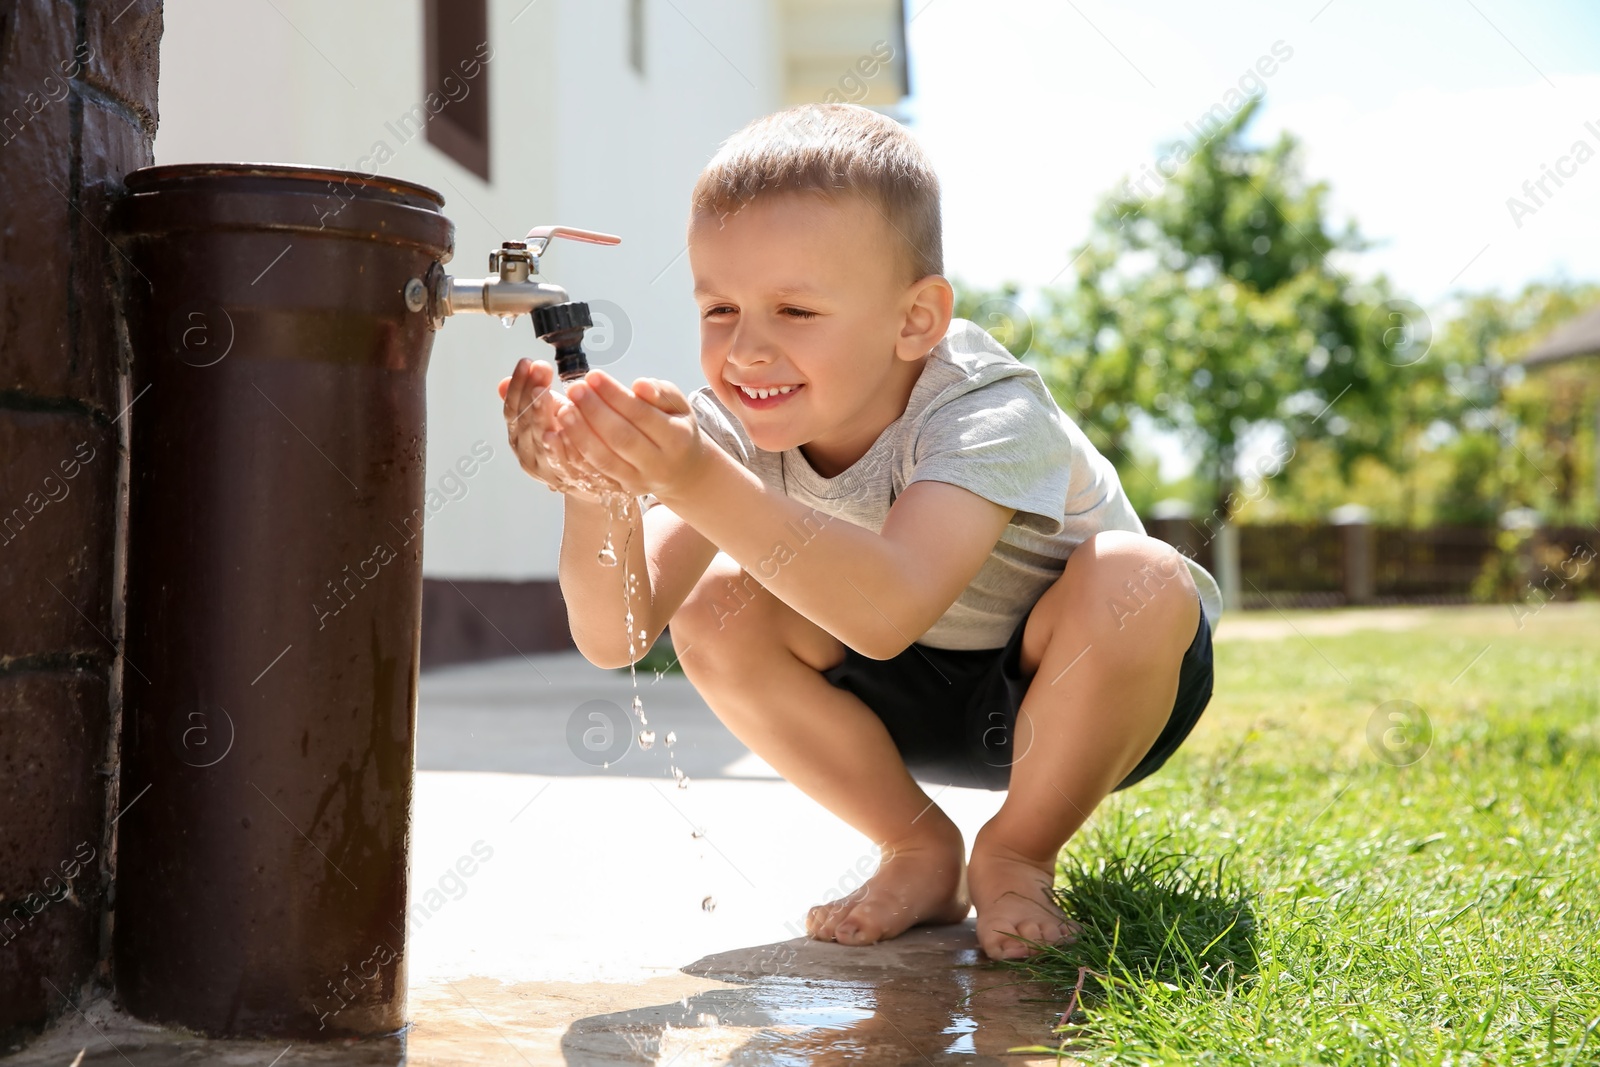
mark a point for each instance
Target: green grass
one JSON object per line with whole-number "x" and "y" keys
{"x": 1280, "y": 892}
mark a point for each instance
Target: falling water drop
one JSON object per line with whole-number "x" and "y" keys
{"x": 683, "y": 783}
{"x": 647, "y": 738}
{"x": 672, "y": 738}
{"x": 708, "y": 905}
{"x": 638, "y": 705}
{"x": 607, "y": 556}
{"x": 507, "y": 320}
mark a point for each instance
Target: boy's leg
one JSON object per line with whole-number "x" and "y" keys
{"x": 757, "y": 663}
{"x": 1104, "y": 656}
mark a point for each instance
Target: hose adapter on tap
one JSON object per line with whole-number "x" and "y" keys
{"x": 562, "y": 326}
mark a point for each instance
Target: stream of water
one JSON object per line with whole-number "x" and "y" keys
{"x": 617, "y": 509}
{"x": 616, "y": 505}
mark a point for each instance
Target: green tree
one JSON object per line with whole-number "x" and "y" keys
{"x": 1473, "y": 433}
{"x": 1221, "y": 305}
{"x": 1211, "y": 306}
{"x": 1500, "y": 437}
{"x": 1056, "y": 338}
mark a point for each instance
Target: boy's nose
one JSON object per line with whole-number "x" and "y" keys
{"x": 749, "y": 348}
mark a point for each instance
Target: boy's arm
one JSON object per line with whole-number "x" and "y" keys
{"x": 667, "y": 554}
{"x": 876, "y": 592}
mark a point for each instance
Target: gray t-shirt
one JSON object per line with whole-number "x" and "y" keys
{"x": 978, "y": 418}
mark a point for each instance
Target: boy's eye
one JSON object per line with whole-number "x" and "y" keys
{"x": 799, "y": 313}
{"x": 720, "y": 309}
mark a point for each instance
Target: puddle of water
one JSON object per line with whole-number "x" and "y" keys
{"x": 918, "y": 998}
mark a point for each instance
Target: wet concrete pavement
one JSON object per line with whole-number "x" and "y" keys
{"x": 569, "y": 913}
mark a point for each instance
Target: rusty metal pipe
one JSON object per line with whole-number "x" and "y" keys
{"x": 274, "y": 594}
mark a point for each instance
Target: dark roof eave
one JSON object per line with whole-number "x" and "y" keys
{"x": 1577, "y": 338}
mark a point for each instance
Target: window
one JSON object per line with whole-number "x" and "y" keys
{"x": 456, "y": 80}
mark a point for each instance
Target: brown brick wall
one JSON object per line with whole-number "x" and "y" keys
{"x": 77, "y": 112}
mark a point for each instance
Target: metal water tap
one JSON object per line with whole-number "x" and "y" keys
{"x": 510, "y": 291}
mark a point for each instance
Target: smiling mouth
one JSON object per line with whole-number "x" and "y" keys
{"x": 766, "y": 398}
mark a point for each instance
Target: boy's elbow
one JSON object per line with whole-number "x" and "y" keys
{"x": 880, "y": 648}
{"x": 599, "y": 654}
{"x": 886, "y": 639}
{"x": 602, "y": 662}
{"x": 609, "y": 660}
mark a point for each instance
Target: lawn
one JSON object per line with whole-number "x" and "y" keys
{"x": 1377, "y": 847}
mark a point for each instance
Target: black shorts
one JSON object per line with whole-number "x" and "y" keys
{"x": 951, "y": 712}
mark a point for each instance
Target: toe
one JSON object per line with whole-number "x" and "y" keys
{"x": 997, "y": 942}
{"x": 820, "y": 922}
{"x": 1008, "y": 949}
{"x": 857, "y": 929}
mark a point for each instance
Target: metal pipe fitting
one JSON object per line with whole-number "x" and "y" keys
{"x": 509, "y": 290}
{"x": 493, "y": 296}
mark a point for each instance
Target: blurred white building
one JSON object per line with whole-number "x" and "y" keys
{"x": 589, "y": 113}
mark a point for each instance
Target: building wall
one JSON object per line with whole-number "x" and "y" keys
{"x": 78, "y": 89}
{"x": 849, "y": 50}
{"x": 579, "y": 137}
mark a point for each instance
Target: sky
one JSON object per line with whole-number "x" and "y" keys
{"x": 1424, "y": 116}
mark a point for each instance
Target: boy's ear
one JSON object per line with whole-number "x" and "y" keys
{"x": 929, "y": 308}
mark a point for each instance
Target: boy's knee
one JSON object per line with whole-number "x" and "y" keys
{"x": 725, "y": 607}
{"x": 1139, "y": 577}
{"x": 734, "y": 623}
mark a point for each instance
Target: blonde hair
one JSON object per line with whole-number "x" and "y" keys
{"x": 832, "y": 149}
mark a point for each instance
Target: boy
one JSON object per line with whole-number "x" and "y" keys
{"x": 894, "y": 553}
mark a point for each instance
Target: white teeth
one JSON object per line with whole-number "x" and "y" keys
{"x": 762, "y": 394}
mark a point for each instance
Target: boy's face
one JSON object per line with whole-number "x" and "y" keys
{"x": 801, "y": 290}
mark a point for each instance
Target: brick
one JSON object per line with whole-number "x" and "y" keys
{"x": 125, "y": 58}
{"x": 35, "y": 228}
{"x": 58, "y": 530}
{"x": 39, "y": 35}
{"x": 52, "y": 741}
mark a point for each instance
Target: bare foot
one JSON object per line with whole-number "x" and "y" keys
{"x": 922, "y": 882}
{"x": 1012, "y": 894}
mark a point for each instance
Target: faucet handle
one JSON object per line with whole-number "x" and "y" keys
{"x": 540, "y": 236}
{"x": 543, "y": 235}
